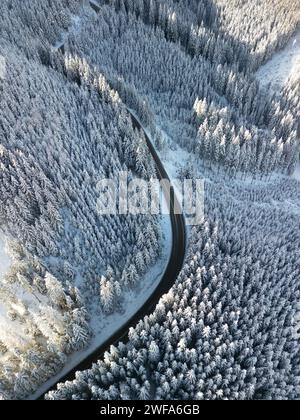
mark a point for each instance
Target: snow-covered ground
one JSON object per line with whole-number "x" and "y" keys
{"x": 283, "y": 65}
{"x": 104, "y": 327}
{"x": 4, "y": 259}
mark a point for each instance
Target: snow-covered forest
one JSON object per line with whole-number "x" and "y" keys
{"x": 226, "y": 330}
{"x": 192, "y": 71}
{"x": 58, "y": 139}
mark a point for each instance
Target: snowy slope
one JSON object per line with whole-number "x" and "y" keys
{"x": 283, "y": 65}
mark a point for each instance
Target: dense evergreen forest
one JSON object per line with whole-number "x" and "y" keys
{"x": 229, "y": 327}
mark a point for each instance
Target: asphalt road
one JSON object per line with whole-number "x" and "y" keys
{"x": 173, "y": 269}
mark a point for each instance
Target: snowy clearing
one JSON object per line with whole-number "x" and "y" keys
{"x": 104, "y": 327}
{"x": 283, "y": 65}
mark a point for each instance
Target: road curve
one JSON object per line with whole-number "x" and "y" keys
{"x": 173, "y": 269}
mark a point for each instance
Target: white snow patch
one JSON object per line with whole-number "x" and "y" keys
{"x": 104, "y": 326}
{"x": 284, "y": 65}
{"x": 13, "y": 332}
{"x": 174, "y": 157}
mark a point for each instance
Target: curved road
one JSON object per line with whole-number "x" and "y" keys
{"x": 173, "y": 269}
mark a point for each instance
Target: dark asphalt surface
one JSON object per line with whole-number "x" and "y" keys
{"x": 173, "y": 269}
